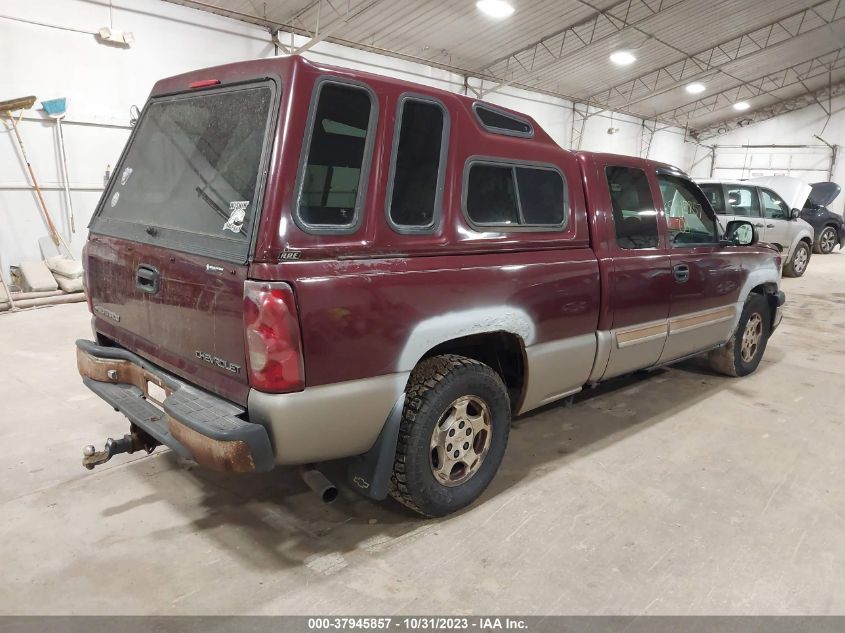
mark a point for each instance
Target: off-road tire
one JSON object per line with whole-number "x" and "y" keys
{"x": 819, "y": 246}
{"x": 789, "y": 267}
{"x": 728, "y": 359}
{"x": 434, "y": 385}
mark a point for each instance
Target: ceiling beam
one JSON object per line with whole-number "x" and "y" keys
{"x": 524, "y": 64}
{"x": 341, "y": 18}
{"x": 795, "y": 74}
{"x": 771, "y": 111}
{"x": 274, "y": 26}
{"x": 697, "y": 65}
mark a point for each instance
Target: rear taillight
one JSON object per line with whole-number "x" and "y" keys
{"x": 274, "y": 349}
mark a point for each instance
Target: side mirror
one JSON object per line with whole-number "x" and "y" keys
{"x": 740, "y": 233}
{"x": 794, "y": 214}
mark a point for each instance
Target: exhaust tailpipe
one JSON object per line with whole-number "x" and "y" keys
{"x": 318, "y": 482}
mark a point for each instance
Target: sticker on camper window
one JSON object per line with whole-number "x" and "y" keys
{"x": 115, "y": 198}
{"x": 236, "y": 216}
{"x": 124, "y": 177}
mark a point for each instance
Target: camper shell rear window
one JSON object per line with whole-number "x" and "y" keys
{"x": 192, "y": 175}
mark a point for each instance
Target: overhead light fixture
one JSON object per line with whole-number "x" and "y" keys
{"x": 622, "y": 58}
{"x": 498, "y": 9}
{"x": 741, "y": 106}
{"x": 695, "y": 88}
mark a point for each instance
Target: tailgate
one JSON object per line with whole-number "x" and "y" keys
{"x": 172, "y": 236}
{"x": 191, "y": 325}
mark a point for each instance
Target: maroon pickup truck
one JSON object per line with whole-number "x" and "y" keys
{"x": 296, "y": 263}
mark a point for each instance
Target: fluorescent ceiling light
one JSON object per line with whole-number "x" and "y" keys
{"x": 623, "y": 58}
{"x": 741, "y": 106}
{"x": 695, "y": 88}
{"x": 495, "y": 8}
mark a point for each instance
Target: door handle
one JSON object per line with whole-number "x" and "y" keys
{"x": 147, "y": 279}
{"x": 681, "y": 273}
{"x": 770, "y": 226}
{"x": 759, "y": 226}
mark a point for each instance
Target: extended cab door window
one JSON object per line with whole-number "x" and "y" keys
{"x": 743, "y": 201}
{"x": 333, "y": 176}
{"x": 634, "y": 214}
{"x": 689, "y": 219}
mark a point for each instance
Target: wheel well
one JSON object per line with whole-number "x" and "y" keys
{"x": 831, "y": 225}
{"x": 502, "y": 351}
{"x": 807, "y": 240}
{"x": 766, "y": 288}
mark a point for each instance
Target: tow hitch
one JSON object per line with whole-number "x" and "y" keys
{"x": 135, "y": 440}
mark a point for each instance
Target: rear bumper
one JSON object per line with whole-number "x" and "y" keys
{"x": 193, "y": 423}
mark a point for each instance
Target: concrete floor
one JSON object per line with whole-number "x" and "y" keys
{"x": 681, "y": 493}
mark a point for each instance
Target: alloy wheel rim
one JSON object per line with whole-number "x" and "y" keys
{"x": 751, "y": 337}
{"x": 460, "y": 440}
{"x": 800, "y": 260}
{"x": 826, "y": 240}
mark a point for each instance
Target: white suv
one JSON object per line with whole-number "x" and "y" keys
{"x": 772, "y": 205}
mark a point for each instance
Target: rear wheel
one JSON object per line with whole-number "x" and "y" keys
{"x": 796, "y": 266}
{"x": 742, "y": 354}
{"x": 827, "y": 241}
{"x": 453, "y": 434}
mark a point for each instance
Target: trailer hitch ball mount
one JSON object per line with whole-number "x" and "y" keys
{"x": 135, "y": 440}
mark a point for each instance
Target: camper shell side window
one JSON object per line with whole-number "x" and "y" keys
{"x": 336, "y": 156}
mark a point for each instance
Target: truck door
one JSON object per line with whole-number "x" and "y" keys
{"x": 707, "y": 278}
{"x": 636, "y": 266}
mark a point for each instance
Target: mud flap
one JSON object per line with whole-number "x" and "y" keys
{"x": 369, "y": 473}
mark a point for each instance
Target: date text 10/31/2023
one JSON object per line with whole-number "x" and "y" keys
{"x": 417, "y": 623}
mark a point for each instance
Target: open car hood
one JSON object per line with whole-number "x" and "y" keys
{"x": 794, "y": 191}
{"x": 823, "y": 193}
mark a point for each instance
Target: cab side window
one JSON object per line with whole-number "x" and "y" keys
{"x": 634, "y": 214}
{"x": 689, "y": 218}
{"x": 743, "y": 201}
{"x": 773, "y": 206}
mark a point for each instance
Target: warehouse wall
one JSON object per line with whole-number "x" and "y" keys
{"x": 795, "y": 128}
{"x": 49, "y": 50}
{"x": 101, "y": 83}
